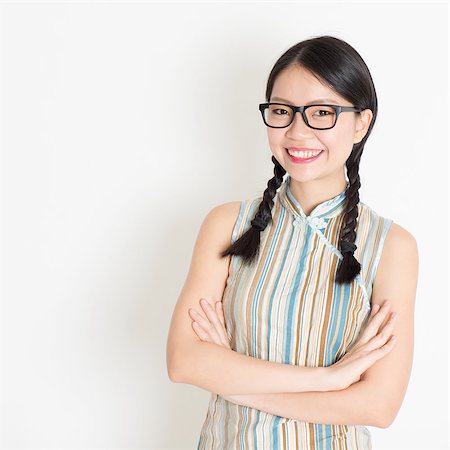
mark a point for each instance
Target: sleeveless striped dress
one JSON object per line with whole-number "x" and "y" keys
{"x": 285, "y": 307}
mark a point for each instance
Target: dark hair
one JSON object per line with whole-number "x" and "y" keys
{"x": 339, "y": 65}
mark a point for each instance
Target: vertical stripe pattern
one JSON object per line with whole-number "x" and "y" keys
{"x": 285, "y": 307}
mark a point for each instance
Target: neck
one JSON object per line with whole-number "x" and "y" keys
{"x": 311, "y": 193}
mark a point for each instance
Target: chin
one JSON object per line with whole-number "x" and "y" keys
{"x": 303, "y": 178}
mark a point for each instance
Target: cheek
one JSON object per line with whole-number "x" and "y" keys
{"x": 275, "y": 138}
{"x": 339, "y": 144}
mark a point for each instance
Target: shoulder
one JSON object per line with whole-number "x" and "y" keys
{"x": 225, "y": 211}
{"x": 398, "y": 268}
{"x": 230, "y": 220}
{"x": 384, "y": 244}
{"x": 224, "y": 214}
{"x": 399, "y": 234}
{"x": 220, "y": 221}
{"x": 397, "y": 241}
{"x": 400, "y": 244}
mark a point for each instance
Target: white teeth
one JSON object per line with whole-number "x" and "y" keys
{"x": 303, "y": 154}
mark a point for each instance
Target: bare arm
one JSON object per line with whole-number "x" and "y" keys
{"x": 376, "y": 399}
{"x": 210, "y": 366}
{"x": 218, "y": 369}
{"x": 356, "y": 405}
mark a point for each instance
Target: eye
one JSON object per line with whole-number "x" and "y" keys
{"x": 323, "y": 111}
{"x": 280, "y": 109}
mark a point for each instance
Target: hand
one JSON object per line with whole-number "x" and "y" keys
{"x": 212, "y": 329}
{"x": 373, "y": 344}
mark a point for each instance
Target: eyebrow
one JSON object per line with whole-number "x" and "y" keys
{"x": 312, "y": 102}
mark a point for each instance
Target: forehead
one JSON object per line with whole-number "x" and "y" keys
{"x": 299, "y": 86}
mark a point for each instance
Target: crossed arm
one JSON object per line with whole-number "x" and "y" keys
{"x": 376, "y": 399}
{"x": 359, "y": 404}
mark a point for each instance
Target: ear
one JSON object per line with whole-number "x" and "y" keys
{"x": 362, "y": 124}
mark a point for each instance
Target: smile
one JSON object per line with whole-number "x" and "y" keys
{"x": 302, "y": 156}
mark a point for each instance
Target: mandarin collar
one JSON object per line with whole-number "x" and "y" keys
{"x": 325, "y": 210}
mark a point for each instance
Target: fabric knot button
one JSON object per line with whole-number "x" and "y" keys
{"x": 318, "y": 222}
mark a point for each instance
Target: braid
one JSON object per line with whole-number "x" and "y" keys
{"x": 264, "y": 216}
{"x": 248, "y": 244}
{"x": 349, "y": 266}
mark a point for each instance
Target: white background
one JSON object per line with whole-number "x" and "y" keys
{"x": 123, "y": 124}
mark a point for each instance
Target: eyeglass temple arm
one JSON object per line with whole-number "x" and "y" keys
{"x": 350, "y": 108}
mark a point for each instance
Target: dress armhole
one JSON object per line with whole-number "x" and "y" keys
{"x": 385, "y": 228}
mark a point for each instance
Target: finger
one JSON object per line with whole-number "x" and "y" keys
{"x": 201, "y": 333}
{"x": 211, "y": 336}
{"x": 375, "y": 308}
{"x": 387, "y": 328}
{"x": 371, "y": 357}
{"x": 377, "y": 316}
{"x": 212, "y": 325}
{"x": 364, "y": 335}
{"x": 378, "y": 353}
{"x": 206, "y": 325}
{"x": 383, "y": 335}
{"x": 382, "y": 312}
{"x": 207, "y": 332}
{"x": 223, "y": 329}
{"x": 222, "y": 321}
{"x": 214, "y": 319}
{"x": 196, "y": 316}
{"x": 375, "y": 321}
{"x": 219, "y": 307}
{"x": 384, "y": 317}
{"x": 381, "y": 338}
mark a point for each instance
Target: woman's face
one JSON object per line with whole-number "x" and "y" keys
{"x": 297, "y": 86}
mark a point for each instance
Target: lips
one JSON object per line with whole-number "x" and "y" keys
{"x": 305, "y": 149}
{"x": 303, "y": 155}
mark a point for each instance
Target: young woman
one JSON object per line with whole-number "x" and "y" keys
{"x": 305, "y": 285}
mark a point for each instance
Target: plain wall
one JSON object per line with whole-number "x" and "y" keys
{"x": 123, "y": 124}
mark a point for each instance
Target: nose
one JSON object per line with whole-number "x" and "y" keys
{"x": 298, "y": 126}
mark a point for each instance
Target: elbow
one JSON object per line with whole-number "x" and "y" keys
{"x": 182, "y": 362}
{"x": 172, "y": 373}
{"x": 377, "y": 412}
{"x": 180, "y": 365}
{"x": 383, "y": 422}
{"x": 173, "y": 376}
{"x": 385, "y": 417}
{"x": 380, "y": 410}
{"x": 176, "y": 373}
{"x": 174, "y": 370}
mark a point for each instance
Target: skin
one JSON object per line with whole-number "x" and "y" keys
{"x": 324, "y": 178}
{"x": 384, "y": 384}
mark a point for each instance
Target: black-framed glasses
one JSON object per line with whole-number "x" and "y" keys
{"x": 317, "y": 117}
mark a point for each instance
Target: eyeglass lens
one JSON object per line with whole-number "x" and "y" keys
{"x": 277, "y": 115}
